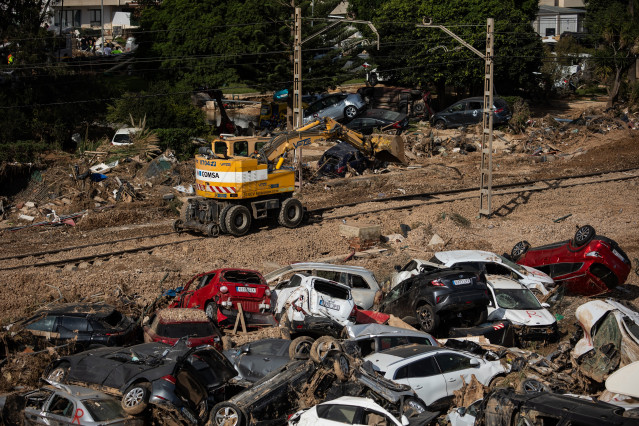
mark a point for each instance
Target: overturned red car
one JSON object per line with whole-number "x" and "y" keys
{"x": 587, "y": 265}
{"x": 219, "y": 292}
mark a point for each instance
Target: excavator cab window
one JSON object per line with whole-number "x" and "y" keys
{"x": 220, "y": 148}
{"x": 240, "y": 148}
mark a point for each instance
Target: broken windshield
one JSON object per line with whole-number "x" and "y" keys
{"x": 516, "y": 299}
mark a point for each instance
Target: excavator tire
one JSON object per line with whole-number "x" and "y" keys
{"x": 291, "y": 213}
{"x": 223, "y": 214}
{"x": 238, "y": 220}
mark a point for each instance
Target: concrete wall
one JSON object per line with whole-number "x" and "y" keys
{"x": 562, "y": 3}
{"x": 560, "y": 23}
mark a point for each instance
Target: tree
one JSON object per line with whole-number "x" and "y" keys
{"x": 614, "y": 24}
{"x": 429, "y": 56}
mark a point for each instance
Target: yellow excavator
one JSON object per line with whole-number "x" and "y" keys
{"x": 239, "y": 180}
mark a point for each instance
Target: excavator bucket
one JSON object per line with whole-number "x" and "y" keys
{"x": 389, "y": 148}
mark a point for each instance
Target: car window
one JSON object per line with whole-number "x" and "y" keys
{"x": 204, "y": 281}
{"x": 244, "y": 277}
{"x": 331, "y": 289}
{"x": 367, "y": 346}
{"x": 330, "y": 100}
{"x": 497, "y": 269}
{"x": 559, "y": 269}
{"x": 267, "y": 347}
{"x": 337, "y": 413}
{"x": 44, "y": 324}
{"x": 518, "y": 299}
{"x": 475, "y": 266}
{"x": 102, "y": 410}
{"x": 457, "y": 107}
{"x": 473, "y": 105}
{"x": 356, "y": 281}
{"x": 329, "y": 275}
{"x": 75, "y": 324}
{"x": 425, "y": 367}
{"x": 394, "y": 294}
{"x": 240, "y": 148}
{"x": 61, "y": 406}
{"x": 388, "y": 342}
{"x": 37, "y": 399}
{"x": 419, "y": 340}
{"x": 452, "y": 362}
{"x": 472, "y": 408}
{"x": 295, "y": 281}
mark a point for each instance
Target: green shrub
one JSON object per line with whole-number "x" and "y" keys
{"x": 178, "y": 140}
{"x": 23, "y": 151}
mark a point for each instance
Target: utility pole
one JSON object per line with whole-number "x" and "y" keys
{"x": 486, "y": 169}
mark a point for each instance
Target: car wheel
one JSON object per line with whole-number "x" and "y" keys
{"x": 300, "y": 348}
{"x": 211, "y": 311}
{"x": 341, "y": 367}
{"x": 583, "y": 235}
{"x": 519, "y": 250}
{"x": 238, "y": 220}
{"x": 350, "y": 112}
{"x": 440, "y": 125}
{"x": 428, "y": 319}
{"x": 135, "y": 398}
{"x": 222, "y": 220}
{"x": 532, "y": 386}
{"x": 322, "y": 346}
{"x": 59, "y": 373}
{"x": 226, "y": 414}
{"x": 178, "y": 225}
{"x": 412, "y": 407}
{"x": 291, "y": 213}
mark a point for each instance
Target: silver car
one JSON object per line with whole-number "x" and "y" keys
{"x": 58, "y": 404}
{"x": 337, "y": 106}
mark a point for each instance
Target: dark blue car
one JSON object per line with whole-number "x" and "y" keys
{"x": 468, "y": 112}
{"x": 335, "y": 160}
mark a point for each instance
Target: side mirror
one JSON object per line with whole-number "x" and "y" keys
{"x": 545, "y": 305}
{"x": 474, "y": 363}
{"x": 461, "y": 411}
{"x": 245, "y": 349}
{"x": 405, "y": 421}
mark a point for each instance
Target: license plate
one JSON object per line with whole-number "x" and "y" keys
{"x": 329, "y": 305}
{"x": 618, "y": 255}
{"x": 461, "y": 282}
{"x": 246, "y": 289}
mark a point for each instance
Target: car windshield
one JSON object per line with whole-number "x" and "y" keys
{"x": 244, "y": 277}
{"x": 516, "y": 299}
{"x": 122, "y": 137}
{"x": 513, "y": 265}
{"x": 104, "y": 409}
{"x": 191, "y": 329}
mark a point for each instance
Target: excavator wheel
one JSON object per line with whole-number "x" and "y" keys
{"x": 212, "y": 230}
{"x": 223, "y": 214}
{"x": 238, "y": 220}
{"x": 291, "y": 213}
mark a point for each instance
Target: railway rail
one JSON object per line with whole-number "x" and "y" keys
{"x": 401, "y": 202}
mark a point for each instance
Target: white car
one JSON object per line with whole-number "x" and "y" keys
{"x": 513, "y": 301}
{"x": 483, "y": 261}
{"x": 363, "y": 284}
{"x": 123, "y": 136}
{"x": 379, "y": 337}
{"x": 464, "y": 416}
{"x": 434, "y": 373}
{"x": 313, "y": 298}
{"x": 349, "y": 410}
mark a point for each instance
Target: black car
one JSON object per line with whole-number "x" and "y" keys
{"x": 427, "y": 298}
{"x": 153, "y": 373}
{"x": 81, "y": 324}
{"x": 336, "y": 160}
{"x": 505, "y": 406}
{"x": 468, "y": 112}
{"x": 379, "y": 119}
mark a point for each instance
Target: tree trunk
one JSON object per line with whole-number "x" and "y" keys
{"x": 614, "y": 90}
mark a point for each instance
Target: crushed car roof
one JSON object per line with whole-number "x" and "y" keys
{"x": 359, "y": 330}
{"x": 501, "y": 282}
{"x": 182, "y": 315}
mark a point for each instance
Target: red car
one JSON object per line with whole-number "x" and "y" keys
{"x": 220, "y": 291}
{"x": 169, "y": 325}
{"x": 588, "y": 264}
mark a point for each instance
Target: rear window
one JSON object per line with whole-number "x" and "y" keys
{"x": 244, "y": 277}
{"x": 75, "y": 324}
{"x": 192, "y": 329}
{"x": 102, "y": 410}
{"x": 122, "y": 137}
{"x": 337, "y": 413}
{"x": 331, "y": 290}
{"x": 113, "y": 319}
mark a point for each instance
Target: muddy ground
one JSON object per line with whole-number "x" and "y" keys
{"x": 139, "y": 278}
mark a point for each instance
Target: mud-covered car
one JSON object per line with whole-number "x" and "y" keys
{"x": 169, "y": 325}
{"x": 81, "y": 324}
{"x": 427, "y": 298}
{"x": 57, "y": 404}
{"x": 587, "y": 265}
{"x": 188, "y": 379}
{"x": 506, "y": 407}
{"x": 219, "y": 292}
{"x": 282, "y": 392}
{"x": 370, "y": 338}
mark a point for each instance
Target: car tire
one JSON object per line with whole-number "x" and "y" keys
{"x": 226, "y": 414}
{"x": 350, "y": 112}
{"x": 341, "y": 367}
{"x": 322, "y": 346}
{"x": 300, "y": 348}
{"x": 135, "y": 399}
{"x": 440, "y": 125}
{"x": 583, "y": 235}
{"x": 291, "y": 213}
{"x": 238, "y": 220}
{"x": 178, "y": 225}
{"x": 412, "y": 407}
{"x": 223, "y": 214}
{"x": 59, "y": 373}
{"x": 428, "y": 318}
{"x": 519, "y": 250}
{"x": 211, "y": 311}
{"x": 532, "y": 386}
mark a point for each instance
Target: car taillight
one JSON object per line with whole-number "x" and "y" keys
{"x": 437, "y": 283}
{"x": 224, "y": 289}
{"x": 267, "y": 292}
{"x": 499, "y": 110}
{"x": 169, "y": 378}
{"x": 438, "y": 299}
{"x": 397, "y": 125}
{"x": 341, "y": 169}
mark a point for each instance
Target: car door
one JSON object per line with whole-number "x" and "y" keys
{"x": 426, "y": 379}
{"x": 398, "y": 300}
{"x": 363, "y": 294}
{"x": 59, "y": 412}
{"x": 75, "y": 327}
{"x": 333, "y": 107}
{"x": 456, "y": 369}
{"x": 473, "y": 112}
{"x": 201, "y": 292}
{"x": 455, "y": 114}
{"x": 260, "y": 358}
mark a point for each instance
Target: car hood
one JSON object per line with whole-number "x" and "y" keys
{"x": 528, "y": 317}
{"x": 537, "y": 275}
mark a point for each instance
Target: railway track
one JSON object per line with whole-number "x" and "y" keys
{"x": 341, "y": 211}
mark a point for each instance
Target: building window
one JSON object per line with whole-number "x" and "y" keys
{"x": 95, "y": 17}
{"x": 70, "y": 18}
{"x": 550, "y": 32}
